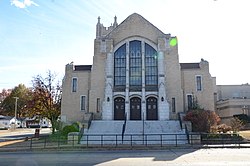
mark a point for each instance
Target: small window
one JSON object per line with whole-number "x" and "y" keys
{"x": 190, "y": 101}
{"x": 173, "y": 105}
{"x": 198, "y": 83}
{"x": 98, "y": 105}
{"x": 74, "y": 84}
{"x": 83, "y": 103}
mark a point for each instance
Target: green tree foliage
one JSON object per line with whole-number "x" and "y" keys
{"x": 5, "y": 93}
{"x": 8, "y": 104}
{"x": 202, "y": 120}
{"x": 46, "y": 99}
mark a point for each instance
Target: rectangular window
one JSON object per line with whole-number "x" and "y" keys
{"x": 98, "y": 105}
{"x": 173, "y": 105}
{"x": 83, "y": 103}
{"x": 198, "y": 83}
{"x": 190, "y": 101}
{"x": 74, "y": 84}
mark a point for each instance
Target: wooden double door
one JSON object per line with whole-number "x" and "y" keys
{"x": 135, "y": 108}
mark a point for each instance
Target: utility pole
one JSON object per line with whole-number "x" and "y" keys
{"x": 15, "y": 110}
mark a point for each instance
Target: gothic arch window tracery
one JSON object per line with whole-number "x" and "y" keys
{"x": 135, "y": 51}
{"x": 151, "y": 68}
{"x": 120, "y": 67}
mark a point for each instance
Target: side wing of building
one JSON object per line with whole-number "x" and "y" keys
{"x": 199, "y": 87}
{"x": 75, "y": 92}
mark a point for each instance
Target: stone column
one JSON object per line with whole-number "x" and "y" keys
{"x": 143, "y": 94}
{"x": 163, "y": 106}
{"x": 127, "y": 106}
{"x": 107, "y": 106}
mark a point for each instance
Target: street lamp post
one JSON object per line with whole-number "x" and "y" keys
{"x": 15, "y": 110}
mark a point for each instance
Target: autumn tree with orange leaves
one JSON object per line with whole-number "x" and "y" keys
{"x": 46, "y": 100}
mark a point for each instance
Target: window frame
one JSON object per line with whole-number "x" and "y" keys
{"x": 74, "y": 84}
{"x": 173, "y": 104}
{"x": 119, "y": 67}
{"x": 83, "y": 107}
{"x": 151, "y": 68}
{"x": 198, "y": 83}
{"x": 98, "y": 105}
{"x": 135, "y": 64}
{"x": 192, "y": 101}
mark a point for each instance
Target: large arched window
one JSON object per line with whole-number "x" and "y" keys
{"x": 134, "y": 51}
{"x": 120, "y": 67}
{"x": 135, "y": 65}
{"x": 151, "y": 68}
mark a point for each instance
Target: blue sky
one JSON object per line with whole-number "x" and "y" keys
{"x": 41, "y": 35}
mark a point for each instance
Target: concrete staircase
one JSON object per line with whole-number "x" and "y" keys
{"x": 137, "y": 132}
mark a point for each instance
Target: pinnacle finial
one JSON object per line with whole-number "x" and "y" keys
{"x": 99, "y": 18}
{"x": 115, "y": 21}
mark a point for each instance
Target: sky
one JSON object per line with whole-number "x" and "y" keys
{"x": 41, "y": 35}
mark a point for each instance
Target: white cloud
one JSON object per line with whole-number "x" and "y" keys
{"x": 24, "y": 4}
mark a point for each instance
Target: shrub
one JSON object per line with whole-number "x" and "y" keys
{"x": 236, "y": 124}
{"x": 202, "y": 120}
{"x": 68, "y": 129}
{"x": 76, "y": 125}
{"x": 242, "y": 117}
{"x": 223, "y": 128}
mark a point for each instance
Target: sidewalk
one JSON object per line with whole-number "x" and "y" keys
{"x": 17, "y": 137}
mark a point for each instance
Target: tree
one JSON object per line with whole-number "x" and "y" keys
{"x": 236, "y": 124}
{"x": 5, "y": 93}
{"x": 8, "y": 104}
{"x": 202, "y": 120}
{"x": 46, "y": 100}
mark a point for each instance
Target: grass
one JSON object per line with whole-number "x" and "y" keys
{"x": 56, "y": 136}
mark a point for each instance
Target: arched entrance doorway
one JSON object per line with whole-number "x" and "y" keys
{"x": 119, "y": 108}
{"x": 135, "y": 108}
{"x": 152, "y": 110}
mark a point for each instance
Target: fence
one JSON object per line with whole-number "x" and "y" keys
{"x": 131, "y": 141}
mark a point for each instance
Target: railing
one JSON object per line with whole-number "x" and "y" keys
{"x": 131, "y": 141}
{"x": 180, "y": 120}
{"x": 187, "y": 133}
{"x": 90, "y": 120}
{"x": 124, "y": 126}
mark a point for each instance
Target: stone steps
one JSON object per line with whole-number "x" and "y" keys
{"x": 137, "y": 132}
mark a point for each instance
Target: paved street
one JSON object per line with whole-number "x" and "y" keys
{"x": 187, "y": 157}
{"x": 21, "y": 133}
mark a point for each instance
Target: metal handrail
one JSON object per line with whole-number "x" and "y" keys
{"x": 179, "y": 118}
{"x": 90, "y": 120}
{"x": 124, "y": 125}
{"x": 187, "y": 133}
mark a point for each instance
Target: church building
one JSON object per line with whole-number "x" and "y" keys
{"x": 136, "y": 74}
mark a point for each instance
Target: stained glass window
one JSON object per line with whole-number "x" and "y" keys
{"x": 135, "y": 63}
{"x": 120, "y": 66}
{"x": 151, "y": 66}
